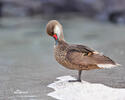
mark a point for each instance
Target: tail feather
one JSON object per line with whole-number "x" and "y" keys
{"x": 108, "y": 65}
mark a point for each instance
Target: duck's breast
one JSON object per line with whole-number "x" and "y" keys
{"x": 60, "y": 56}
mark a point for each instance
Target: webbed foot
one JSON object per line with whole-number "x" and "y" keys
{"x": 74, "y": 81}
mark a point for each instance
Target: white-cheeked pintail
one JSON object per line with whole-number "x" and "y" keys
{"x": 76, "y": 57}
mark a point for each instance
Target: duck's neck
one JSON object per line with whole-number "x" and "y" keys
{"x": 59, "y": 39}
{"x": 60, "y": 42}
{"x": 56, "y": 42}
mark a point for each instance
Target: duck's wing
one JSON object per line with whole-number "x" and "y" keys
{"x": 85, "y": 56}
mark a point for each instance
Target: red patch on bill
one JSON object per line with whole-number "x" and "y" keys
{"x": 55, "y": 36}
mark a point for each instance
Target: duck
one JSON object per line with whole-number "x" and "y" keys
{"x": 75, "y": 56}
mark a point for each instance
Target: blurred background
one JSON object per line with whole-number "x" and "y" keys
{"x": 112, "y": 10}
{"x": 27, "y": 64}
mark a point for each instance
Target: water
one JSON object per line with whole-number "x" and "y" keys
{"x": 27, "y": 64}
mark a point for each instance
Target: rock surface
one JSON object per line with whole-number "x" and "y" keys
{"x": 64, "y": 90}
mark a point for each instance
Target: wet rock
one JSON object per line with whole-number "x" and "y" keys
{"x": 117, "y": 17}
{"x": 68, "y": 6}
{"x": 1, "y": 5}
{"x": 20, "y": 7}
{"x": 100, "y": 9}
{"x": 47, "y": 7}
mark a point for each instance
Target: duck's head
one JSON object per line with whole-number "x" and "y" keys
{"x": 54, "y": 29}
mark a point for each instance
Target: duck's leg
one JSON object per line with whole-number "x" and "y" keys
{"x": 79, "y": 77}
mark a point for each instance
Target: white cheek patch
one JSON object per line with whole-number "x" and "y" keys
{"x": 57, "y": 30}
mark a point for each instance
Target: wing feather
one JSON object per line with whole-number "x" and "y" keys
{"x": 84, "y": 56}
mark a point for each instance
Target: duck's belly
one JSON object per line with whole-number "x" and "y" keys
{"x": 68, "y": 65}
{"x": 60, "y": 58}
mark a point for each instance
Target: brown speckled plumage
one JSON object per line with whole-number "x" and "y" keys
{"x": 76, "y": 57}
